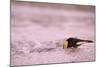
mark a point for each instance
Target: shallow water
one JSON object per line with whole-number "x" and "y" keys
{"x": 37, "y": 34}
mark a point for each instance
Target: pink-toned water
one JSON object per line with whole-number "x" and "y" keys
{"x": 37, "y": 34}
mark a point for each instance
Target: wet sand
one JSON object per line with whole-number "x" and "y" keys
{"x": 37, "y": 33}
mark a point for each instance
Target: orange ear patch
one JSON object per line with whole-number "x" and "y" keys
{"x": 65, "y": 44}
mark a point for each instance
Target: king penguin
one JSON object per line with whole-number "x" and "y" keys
{"x": 73, "y": 42}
